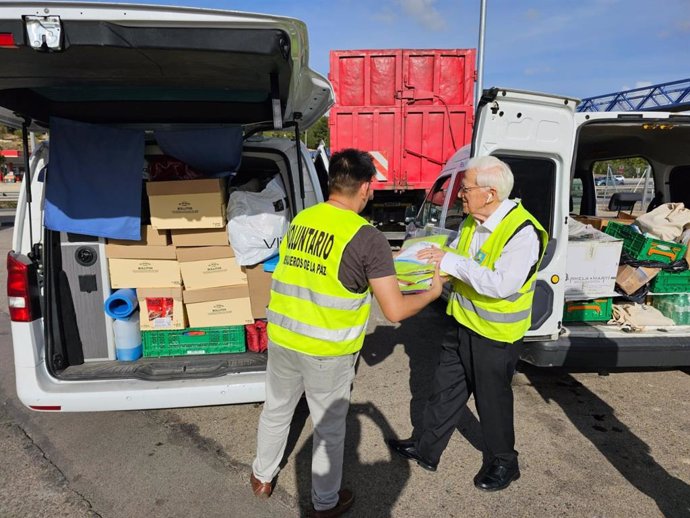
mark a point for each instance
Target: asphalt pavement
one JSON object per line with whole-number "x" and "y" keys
{"x": 590, "y": 446}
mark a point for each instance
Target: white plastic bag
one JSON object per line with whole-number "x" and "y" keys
{"x": 257, "y": 221}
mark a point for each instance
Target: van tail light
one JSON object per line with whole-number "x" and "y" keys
{"x": 22, "y": 293}
{"x": 7, "y": 40}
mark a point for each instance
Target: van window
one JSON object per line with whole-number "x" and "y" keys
{"x": 455, "y": 213}
{"x": 535, "y": 185}
{"x": 576, "y": 196}
{"x": 628, "y": 176}
{"x": 433, "y": 205}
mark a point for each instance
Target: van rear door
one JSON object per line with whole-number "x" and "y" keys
{"x": 535, "y": 134}
{"x": 107, "y": 63}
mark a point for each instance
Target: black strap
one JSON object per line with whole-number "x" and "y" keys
{"x": 68, "y": 323}
{"x": 534, "y": 267}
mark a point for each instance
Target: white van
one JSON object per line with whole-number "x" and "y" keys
{"x": 148, "y": 68}
{"x": 553, "y": 151}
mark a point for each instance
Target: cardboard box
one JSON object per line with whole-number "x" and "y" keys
{"x": 142, "y": 266}
{"x": 224, "y": 306}
{"x": 600, "y": 223}
{"x": 161, "y": 309}
{"x": 150, "y": 236}
{"x": 187, "y": 203}
{"x": 144, "y": 273}
{"x": 113, "y": 251}
{"x": 631, "y": 279}
{"x": 259, "y": 289}
{"x": 591, "y": 263}
{"x": 200, "y": 237}
{"x": 209, "y": 267}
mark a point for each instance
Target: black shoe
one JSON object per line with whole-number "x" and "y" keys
{"x": 496, "y": 476}
{"x": 485, "y": 466}
{"x": 408, "y": 449}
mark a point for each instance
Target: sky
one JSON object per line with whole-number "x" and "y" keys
{"x": 577, "y": 48}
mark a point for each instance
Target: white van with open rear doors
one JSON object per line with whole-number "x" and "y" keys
{"x": 154, "y": 72}
{"x": 553, "y": 152}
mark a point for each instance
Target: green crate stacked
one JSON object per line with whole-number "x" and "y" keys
{"x": 595, "y": 310}
{"x": 669, "y": 282}
{"x": 194, "y": 340}
{"x": 638, "y": 246}
{"x": 675, "y": 307}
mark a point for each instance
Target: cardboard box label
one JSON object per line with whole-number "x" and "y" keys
{"x": 144, "y": 273}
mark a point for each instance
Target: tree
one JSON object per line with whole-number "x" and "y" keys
{"x": 628, "y": 166}
{"x": 317, "y": 133}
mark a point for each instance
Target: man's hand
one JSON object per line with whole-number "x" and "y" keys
{"x": 431, "y": 255}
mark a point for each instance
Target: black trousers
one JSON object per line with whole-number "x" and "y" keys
{"x": 483, "y": 367}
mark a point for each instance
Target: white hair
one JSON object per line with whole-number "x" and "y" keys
{"x": 492, "y": 172}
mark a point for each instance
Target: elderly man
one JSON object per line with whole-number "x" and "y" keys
{"x": 493, "y": 270}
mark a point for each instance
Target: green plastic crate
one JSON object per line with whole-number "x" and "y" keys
{"x": 194, "y": 340}
{"x": 675, "y": 307}
{"x": 638, "y": 246}
{"x": 668, "y": 282}
{"x": 595, "y": 310}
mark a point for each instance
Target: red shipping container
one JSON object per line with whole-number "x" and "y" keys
{"x": 412, "y": 109}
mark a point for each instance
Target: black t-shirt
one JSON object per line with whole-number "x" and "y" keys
{"x": 367, "y": 256}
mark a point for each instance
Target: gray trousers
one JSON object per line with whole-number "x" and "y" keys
{"x": 326, "y": 382}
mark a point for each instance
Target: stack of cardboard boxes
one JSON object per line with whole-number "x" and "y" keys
{"x": 150, "y": 266}
{"x": 184, "y": 269}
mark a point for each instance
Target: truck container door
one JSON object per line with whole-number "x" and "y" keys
{"x": 535, "y": 134}
{"x": 437, "y": 96}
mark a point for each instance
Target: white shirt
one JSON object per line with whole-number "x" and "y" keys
{"x": 510, "y": 269}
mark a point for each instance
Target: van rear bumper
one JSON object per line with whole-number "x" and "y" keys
{"x": 605, "y": 352}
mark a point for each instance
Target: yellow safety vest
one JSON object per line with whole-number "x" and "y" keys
{"x": 310, "y": 310}
{"x": 509, "y": 318}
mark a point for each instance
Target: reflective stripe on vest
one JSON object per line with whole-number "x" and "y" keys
{"x": 515, "y": 296}
{"x": 310, "y": 310}
{"x": 331, "y": 335}
{"x": 491, "y": 316}
{"x": 506, "y": 319}
{"x": 326, "y": 301}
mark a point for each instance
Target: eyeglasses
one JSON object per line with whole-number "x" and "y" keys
{"x": 465, "y": 190}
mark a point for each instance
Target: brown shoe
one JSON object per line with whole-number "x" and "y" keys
{"x": 345, "y": 501}
{"x": 260, "y": 489}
